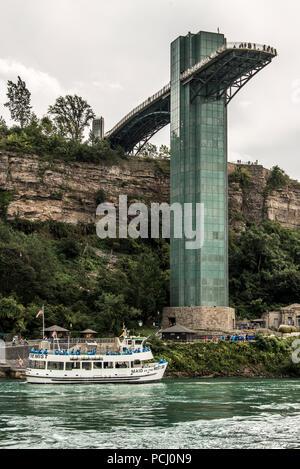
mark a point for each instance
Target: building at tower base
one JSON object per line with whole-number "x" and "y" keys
{"x": 200, "y": 317}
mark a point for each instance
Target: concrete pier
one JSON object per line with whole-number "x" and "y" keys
{"x": 10, "y": 368}
{"x": 11, "y": 371}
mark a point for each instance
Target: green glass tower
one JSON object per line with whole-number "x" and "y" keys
{"x": 199, "y": 175}
{"x": 206, "y": 74}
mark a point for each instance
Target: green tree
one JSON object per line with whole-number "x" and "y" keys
{"x": 5, "y": 198}
{"x": 276, "y": 180}
{"x": 19, "y": 102}
{"x": 72, "y": 115}
{"x": 69, "y": 248}
{"x": 264, "y": 268}
{"x": 27, "y": 268}
{"x": 146, "y": 289}
{"x": 12, "y": 315}
{"x": 149, "y": 150}
{"x": 112, "y": 311}
{"x": 164, "y": 152}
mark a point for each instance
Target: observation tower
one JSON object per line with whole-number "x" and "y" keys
{"x": 206, "y": 73}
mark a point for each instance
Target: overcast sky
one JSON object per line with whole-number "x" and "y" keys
{"x": 115, "y": 53}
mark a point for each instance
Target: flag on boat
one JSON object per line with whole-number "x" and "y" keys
{"x": 39, "y": 313}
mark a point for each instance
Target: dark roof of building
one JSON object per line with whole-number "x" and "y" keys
{"x": 178, "y": 328}
{"x": 56, "y": 329}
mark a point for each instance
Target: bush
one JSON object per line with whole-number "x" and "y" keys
{"x": 241, "y": 176}
{"x": 287, "y": 330}
{"x": 100, "y": 197}
{"x": 42, "y": 138}
{"x": 5, "y": 198}
{"x": 276, "y": 180}
{"x": 69, "y": 248}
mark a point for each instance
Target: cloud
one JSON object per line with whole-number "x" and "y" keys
{"x": 43, "y": 87}
{"x": 245, "y": 104}
{"x": 103, "y": 85}
{"x": 115, "y": 86}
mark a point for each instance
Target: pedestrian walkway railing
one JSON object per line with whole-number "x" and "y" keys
{"x": 165, "y": 91}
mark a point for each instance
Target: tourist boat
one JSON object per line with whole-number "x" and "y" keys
{"x": 132, "y": 363}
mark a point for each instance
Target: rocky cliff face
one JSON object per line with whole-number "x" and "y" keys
{"x": 70, "y": 193}
{"x": 252, "y": 204}
{"x": 42, "y": 190}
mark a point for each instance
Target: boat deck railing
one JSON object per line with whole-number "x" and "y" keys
{"x": 91, "y": 353}
{"x": 79, "y": 340}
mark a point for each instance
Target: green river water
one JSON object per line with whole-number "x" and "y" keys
{"x": 182, "y": 414}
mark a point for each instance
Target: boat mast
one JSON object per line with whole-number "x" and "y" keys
{"x": 43, "y": 309}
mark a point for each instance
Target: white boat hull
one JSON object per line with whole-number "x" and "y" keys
{"x": 143, "y": 376}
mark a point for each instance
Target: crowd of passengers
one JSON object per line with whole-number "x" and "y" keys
{"x": 238, "y": 338}
{"x": 91, "y": 352}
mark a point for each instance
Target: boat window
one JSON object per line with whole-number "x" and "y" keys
{"x": 55, "y": 365}
{"x": 86, "y": 365}
{"x": 108, "y": 365}
{"x": 136, "y": 362}
{"x": 122, "y": 365}
{"x": 138, "y": 342}
{"x": 97, "y": 365}
{"x": 73, "y": 366}
{"x": 40, "y": 365}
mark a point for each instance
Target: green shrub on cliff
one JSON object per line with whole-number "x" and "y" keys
{"x": 271, "y": 357}
{"x": 42, "y": 139}
{"x": 241, "y": 176}
{"x": 5, "y": 198}
{"x": 276, "y": 180}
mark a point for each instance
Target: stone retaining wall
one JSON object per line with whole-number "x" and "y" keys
{"x": 200, "y": 317}
{"x": 17, "y": 351}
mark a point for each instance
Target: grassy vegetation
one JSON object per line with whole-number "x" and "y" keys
{"x": 266, "y": 357}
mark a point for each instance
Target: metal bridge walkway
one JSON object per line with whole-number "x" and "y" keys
{"x": 219, "y": 76}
